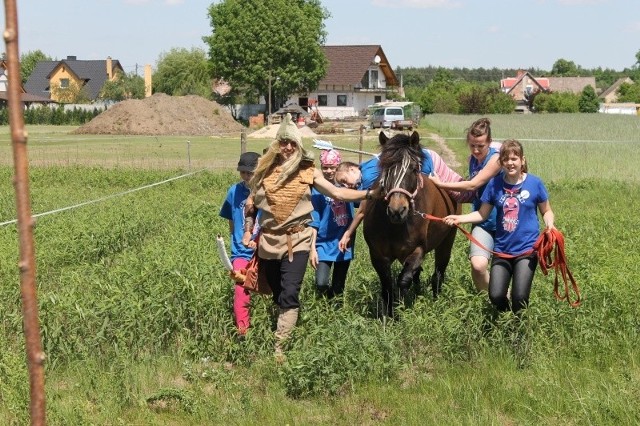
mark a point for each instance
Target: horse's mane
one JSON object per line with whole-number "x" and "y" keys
{"x": 393, "y": 151}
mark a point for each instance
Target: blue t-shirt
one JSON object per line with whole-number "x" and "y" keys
{"x": 370, "y": 170}
{"x": 488, "y": 225}
{"x": 517, "y": 212}
{"x": 331, "y": 218}
{"x": 233, "y": 209}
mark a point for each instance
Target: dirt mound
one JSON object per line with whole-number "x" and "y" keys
{"x": 162, "y": 114}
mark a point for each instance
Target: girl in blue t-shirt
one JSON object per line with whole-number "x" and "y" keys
{"x": 517, "y": 197}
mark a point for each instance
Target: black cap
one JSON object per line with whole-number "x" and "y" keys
{"x": 248, "y": 162}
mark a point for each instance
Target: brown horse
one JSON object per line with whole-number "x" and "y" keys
{"x": 395, "y": 224}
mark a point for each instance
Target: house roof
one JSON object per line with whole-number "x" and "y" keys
{"x": 615, "y": 86}
{"x": 27, "y": 98}
{"x": 571, "y": 84}
{"x": 511, "y": 82}
{"x": 93, "y": 72}
{"x": 348, "y": 64}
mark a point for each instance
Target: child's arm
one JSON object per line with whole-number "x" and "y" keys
{"x": 346, "y": 237}
{"x": 547, "y": 215}
{"x": 250, "y": 213}
{"x": 474, "y": 217}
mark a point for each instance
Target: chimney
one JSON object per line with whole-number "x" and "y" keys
{"x": 109, "y": 69}
{"x": 71, "y": 58}
{"x": 147, "y": 81}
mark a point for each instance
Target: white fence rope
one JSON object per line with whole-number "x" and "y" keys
{"x": 550, "y": 140}
{"x": 119, "y": 194}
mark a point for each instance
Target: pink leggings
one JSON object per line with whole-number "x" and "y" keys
{"x": 241, "y": 299}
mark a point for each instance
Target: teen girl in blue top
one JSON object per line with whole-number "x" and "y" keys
{"x": 331, "y": 218}
{"x": 483, "y": 165}
{"x": 517, "y": 196}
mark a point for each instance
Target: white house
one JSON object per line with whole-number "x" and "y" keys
{"x": 357, "y": 77}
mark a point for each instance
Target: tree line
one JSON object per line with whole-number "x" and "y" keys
{"x": 258, "y": 57}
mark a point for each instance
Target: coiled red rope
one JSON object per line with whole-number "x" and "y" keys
{"x": 551, "y": 255}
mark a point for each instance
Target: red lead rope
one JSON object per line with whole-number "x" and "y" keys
{"x": 551, "y": 254}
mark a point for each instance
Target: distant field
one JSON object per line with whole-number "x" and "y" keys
{"x": 560, "y": 146}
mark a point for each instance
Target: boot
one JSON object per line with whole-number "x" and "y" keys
{"x": 287, "y": 319}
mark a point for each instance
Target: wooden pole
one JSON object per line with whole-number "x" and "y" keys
{"x": 243, "y": 141}
{"x": 361, "y": 143}
{"x": 26, "y": 264}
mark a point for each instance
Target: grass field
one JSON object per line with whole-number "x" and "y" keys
{"x": 136, "y": 318}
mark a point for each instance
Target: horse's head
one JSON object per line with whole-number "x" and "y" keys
{"x": 400, "y": 179}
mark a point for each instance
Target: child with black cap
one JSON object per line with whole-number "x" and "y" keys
{"x": 233, "y": 210}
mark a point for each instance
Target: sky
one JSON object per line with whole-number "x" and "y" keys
{"x": 412, "y": 33}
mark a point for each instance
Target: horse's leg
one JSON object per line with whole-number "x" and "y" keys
{"x": 410, "y": 271}
{"x": 442, "y": 255}
{"x": 383, "y": 268}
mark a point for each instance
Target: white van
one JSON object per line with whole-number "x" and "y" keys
{"x": 385, "y": 116}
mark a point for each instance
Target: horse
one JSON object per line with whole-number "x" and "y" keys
{"x": 396, "y": 224}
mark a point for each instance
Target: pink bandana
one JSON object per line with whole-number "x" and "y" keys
{"x": 330, "y": 157}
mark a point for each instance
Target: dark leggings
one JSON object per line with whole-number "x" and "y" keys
{"x": 521, "y": 270}
{"x": 338, "y": 278}
{"x": 285, "y": 278}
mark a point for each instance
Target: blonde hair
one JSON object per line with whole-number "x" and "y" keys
{"x": 272, "y": 158}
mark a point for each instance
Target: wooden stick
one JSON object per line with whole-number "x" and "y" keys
{"x": 26, "y": 264}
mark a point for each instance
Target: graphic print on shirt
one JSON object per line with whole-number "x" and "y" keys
{"x": 511, "y": 201}
{"x": 339, "y": 210}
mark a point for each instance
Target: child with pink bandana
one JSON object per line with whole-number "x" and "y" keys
{"x": 331, "y": 218}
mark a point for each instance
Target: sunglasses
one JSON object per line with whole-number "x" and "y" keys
{"x": 288, "y": 142}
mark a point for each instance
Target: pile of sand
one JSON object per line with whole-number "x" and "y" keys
{"x": 161, "y": 115}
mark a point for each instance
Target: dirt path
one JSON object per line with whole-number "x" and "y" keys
{"x": 447, "y": 154}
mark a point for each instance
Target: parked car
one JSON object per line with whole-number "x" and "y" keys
{"x": 386, "y": 116}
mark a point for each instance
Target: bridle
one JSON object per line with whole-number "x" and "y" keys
{"x": 395, "y": 178}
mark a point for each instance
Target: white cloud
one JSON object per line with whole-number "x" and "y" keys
{"x": 415, "y": 4}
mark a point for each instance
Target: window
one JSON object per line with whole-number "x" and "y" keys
{"x": 322, "y": 100}
{"x": 64, "y": 83}
{"x": 377, "y": 99}
{"x": 342, "y": 100}
{"x": 373, "y": 78}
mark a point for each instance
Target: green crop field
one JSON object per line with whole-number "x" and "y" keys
{"x": 136, "y": 309}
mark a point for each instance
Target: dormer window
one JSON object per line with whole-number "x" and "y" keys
{"x": 64, "y": 83}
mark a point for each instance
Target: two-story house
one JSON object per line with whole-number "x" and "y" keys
{"x": 52, "y": 78}
{"x": 357, "y": 76}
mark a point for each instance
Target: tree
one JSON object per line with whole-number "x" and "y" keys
{"x": 629, "y": 92}
{"x": 258, "y": 45}
{"x": 183, "y": 72}
{"x": 28, "y": 62}
{"x": 565, "y": 68}
{"x": 124, "y": 86}
{"x": 588, "y": 101}
{"x": 72, "y": 94}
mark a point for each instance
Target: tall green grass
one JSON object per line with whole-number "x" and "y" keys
{"x": 137, "y": 323}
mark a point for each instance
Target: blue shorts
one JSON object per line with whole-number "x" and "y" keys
{"x": 485, "y": 238}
